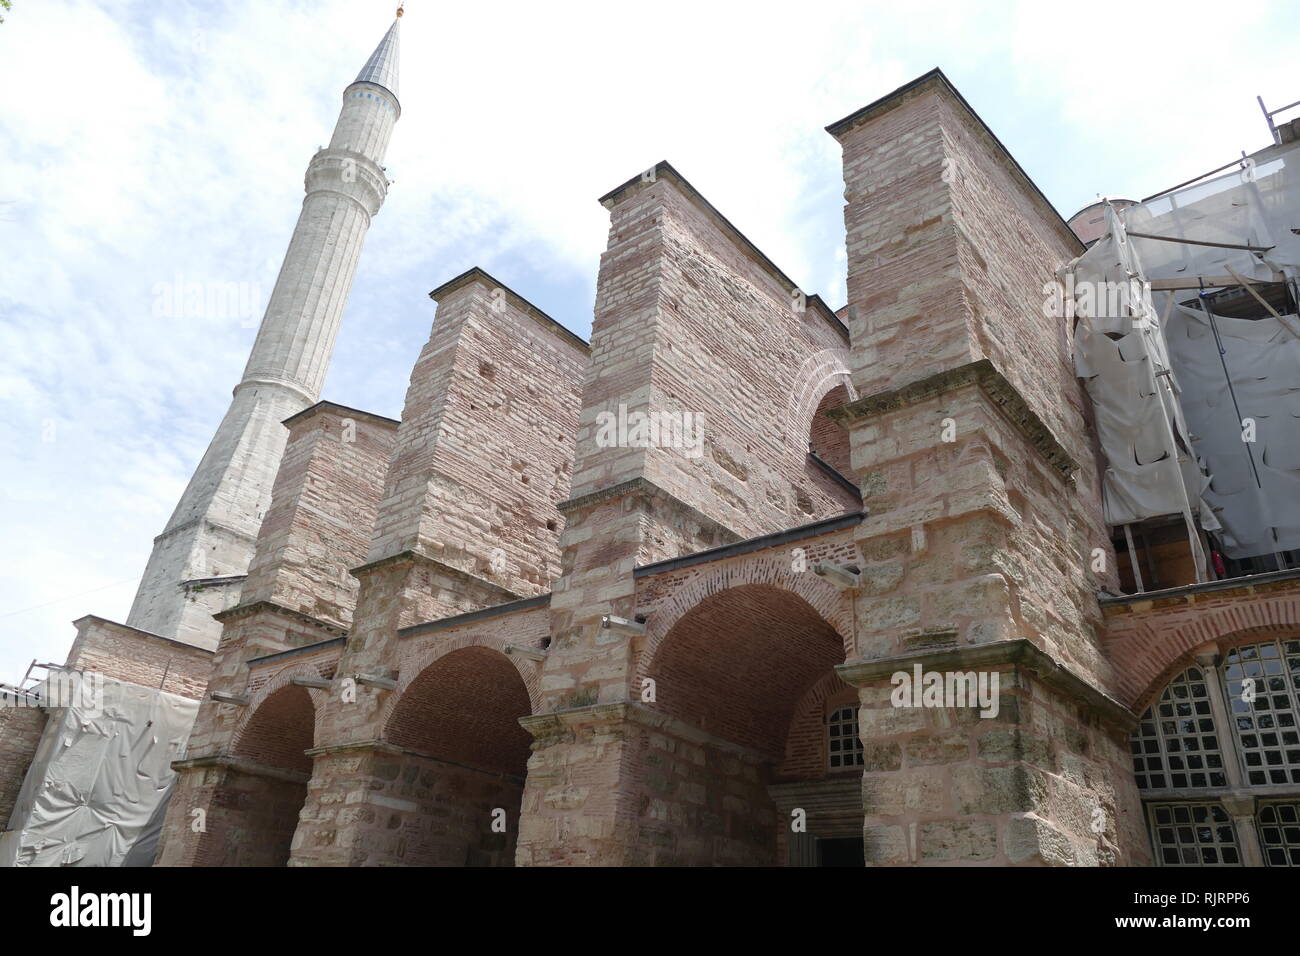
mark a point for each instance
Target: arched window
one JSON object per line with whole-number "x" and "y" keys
{"x": 1176, "y": 745}
{"x": 1217, "y": 760}
{"x": 844, "y": 746}
{"x": 1262, "y": 683}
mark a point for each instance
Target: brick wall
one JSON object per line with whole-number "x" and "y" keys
{"x": 20, "y": 733}
{"x": 134, "y": 656}
{"x": 1152, "y": 639}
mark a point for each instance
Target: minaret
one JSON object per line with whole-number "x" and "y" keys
{"x": 197, "y": 561}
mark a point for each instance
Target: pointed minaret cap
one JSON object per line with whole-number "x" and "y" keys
{"x": 381, "y": 68}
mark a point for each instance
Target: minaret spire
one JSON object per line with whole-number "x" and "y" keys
{"x": 199, "y": 560}
{"x": 381, "y": 68}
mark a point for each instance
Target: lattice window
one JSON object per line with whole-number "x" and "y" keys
{"x": 1176, "y": 745}
{"x": 1261, "y": 681}
{"x": 1279, "y": 833}
{"x": 845, "y": 744}
{"x": 1193, "y": 834}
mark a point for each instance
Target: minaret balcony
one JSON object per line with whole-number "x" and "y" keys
{"x": 350, "y": 174}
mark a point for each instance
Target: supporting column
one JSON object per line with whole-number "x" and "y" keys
{"x": 1028, "y": 779}
{"x": 1242, "y": 809}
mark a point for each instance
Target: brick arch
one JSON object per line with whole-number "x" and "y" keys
{"x": 830, "y": 603}
{"x": 808, "y": 724}
{"x": 1151, "y": 655}
{"x": 284, "y": 678}
{"x": 820, "y": 373}
{"x": 463, "y": 707}
{"x": 419, "y": 659}
{"x": 738, "y": 662}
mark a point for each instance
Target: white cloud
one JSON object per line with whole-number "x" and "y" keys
{"x": 143, "y": 142}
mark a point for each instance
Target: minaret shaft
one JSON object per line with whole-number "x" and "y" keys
{"x": 197, "y": 562}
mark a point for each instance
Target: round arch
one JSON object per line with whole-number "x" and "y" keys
{"x": 264, "y": 791}
{"x": 737, "y": 664}
{"x": 1159, "y": 654}
{"x": 282, "y": 679}
{"x": 463, "y": 706}
{"x": 418, "y": 659}
{"x": 733, "y": 671}
{"x": 823, "y": 598}
{"x": 819, "y": 374}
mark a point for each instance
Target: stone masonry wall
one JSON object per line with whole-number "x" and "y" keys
{"x": 949, "y": 244}
{"x": 323, "y": 507}
{"x": 726, "y": 336}
{"x": 971, "y": 449}
{"x": 1025, "y": 786}
{"x": 381, "y": 808}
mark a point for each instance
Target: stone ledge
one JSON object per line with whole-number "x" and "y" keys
{"x": 1020, "y": 652}
{"x": 411, "y": 557}
{"x": 1257, "y": 794}
{"x": 240, "y": 765}
{"x": 1189, "y": 594}
{"x": 761, "y": 543}
{"x": 393, "y": 750}
{"x": 982, "y": 373}
{"x": 240, "y": 611}
{"x": 296, "y": 651}
{"x": 382, "y": 746}
{"x": 496, "y": 610}
{"x": 627, "y": 711}
{"x": 203, "y": 520}
{"x": 642, "y": 486}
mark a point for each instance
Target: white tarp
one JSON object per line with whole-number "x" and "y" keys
{"x": 1258, "y": 205}
{"x": 1119, "y": 352}
{"x": 1165, "y": 408}
{"x": 1255, "y": 206}
{"x": 97, "y": 778}
{"x": 1263, "y": 359}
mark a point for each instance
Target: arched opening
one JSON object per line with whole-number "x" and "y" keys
{"x": 465, "y": 762}
{"x": 828, "y": 468}
{"x": 758, "y": 711}
{"x": 267, "y": 785}
{"x": 826, "y": 438}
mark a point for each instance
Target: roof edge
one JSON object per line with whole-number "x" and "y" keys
{"x": 327, "y": 406}
{"x": 475, "y": 273}
{"x": 663, "y": 166}
{"x": 939, "y": 79}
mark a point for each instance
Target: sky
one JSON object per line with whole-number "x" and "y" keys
{"x": 146, "y": 147}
